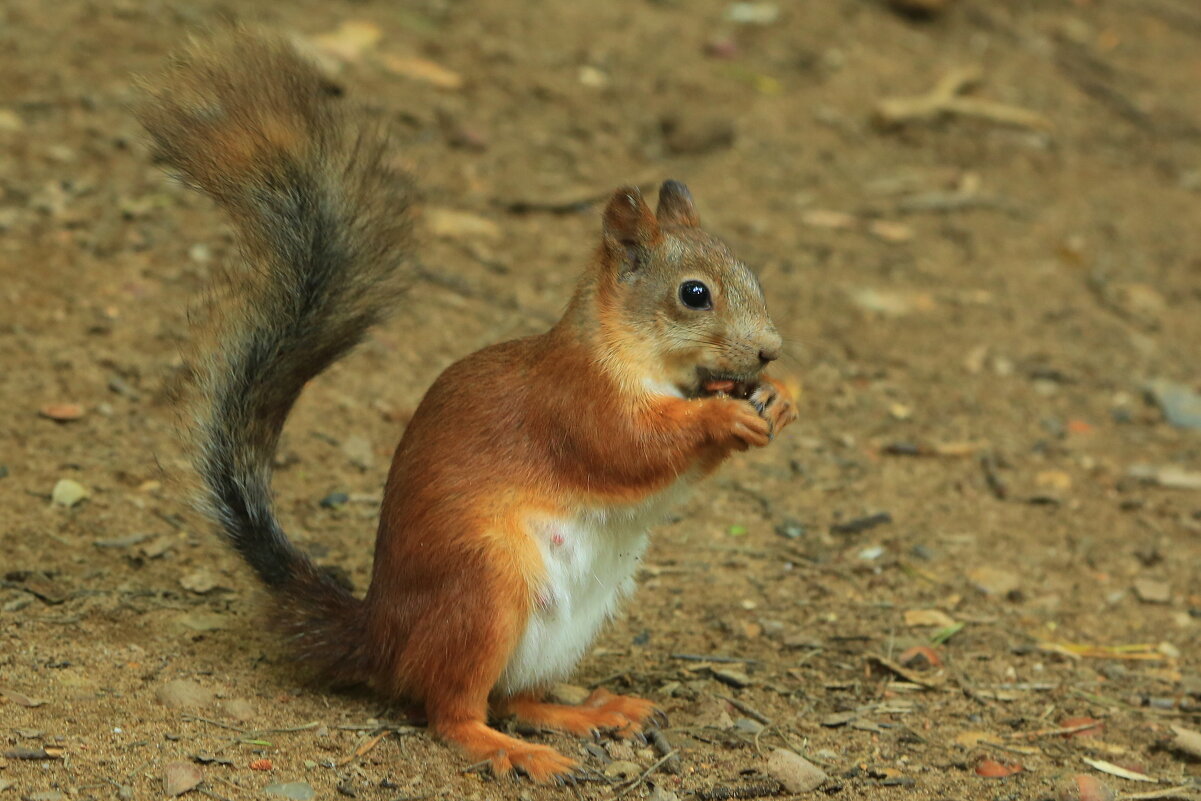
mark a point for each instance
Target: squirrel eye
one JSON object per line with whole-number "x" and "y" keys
{"x": 695, "y": 295}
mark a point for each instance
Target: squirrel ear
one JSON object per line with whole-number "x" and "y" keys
{"x": 675, "y": 205}
{"x": 629, "y": 223}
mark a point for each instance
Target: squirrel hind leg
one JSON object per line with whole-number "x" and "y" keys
{"x": 479, "y": 742}
{"x": 623, "y": 715}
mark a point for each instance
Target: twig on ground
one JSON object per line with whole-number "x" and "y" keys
{"x": 713, "y": 658}
{"x": 364, "y": 747}
{"x": 946, "y": 100}
{"x": 747, "y": 710}
{"x": 661, "y": 745}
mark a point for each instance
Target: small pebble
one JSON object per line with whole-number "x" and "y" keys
{"x": 237, "y": 708}
{"x": 297, "y": 791}
{"x": 334, "y": 500}
{"x": 871, "y": 553}
{"x": 199, "y": 581}
{"x": 621, "y": 752}
{"x": 797, "y": 774}
{"x": 623, "y": 770}
{"x": 358, "y": 450}
{"x": 183, "y": 694}
{"x": 994, "y": 581}
{"x": 731, "y": 676}
{"x": 1153, "y": 591}
{"x": 791, "y": 529}
{"x": 748, "y": 726}
{"x": 753, "y": 13}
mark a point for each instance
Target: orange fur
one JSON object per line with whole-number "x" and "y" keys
{"x": 623, "y": 715}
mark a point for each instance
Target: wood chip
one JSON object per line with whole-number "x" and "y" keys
{"x": 992, "y": 769}
{"x": 62, "y": 412}
{"x": 1186, "y": 741}
{"x": 1117, "y": 770}
{"x": 929, "y": 682}
{"x": 180, "y": 777}
{"x": 928, "y": 617}
{"x": 46, "y": 752}
{"x": 424, "y": 70}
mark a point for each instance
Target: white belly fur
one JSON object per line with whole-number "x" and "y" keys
{"x": 589, "y": 561}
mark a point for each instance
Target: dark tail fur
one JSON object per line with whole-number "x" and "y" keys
{"x": 324, "y": 226}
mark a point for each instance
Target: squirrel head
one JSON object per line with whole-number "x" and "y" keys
{"x": 677, "y": 309}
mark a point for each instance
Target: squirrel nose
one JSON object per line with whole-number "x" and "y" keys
{"x": 767, "y": 355}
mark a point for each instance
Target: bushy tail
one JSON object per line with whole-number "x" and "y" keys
{"x": 323, "y": 221}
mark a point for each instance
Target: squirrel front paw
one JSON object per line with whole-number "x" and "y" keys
{"x": 773, "y": 402}
{"x": 739, "y": 425}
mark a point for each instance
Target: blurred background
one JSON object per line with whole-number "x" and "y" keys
{"x": 970, "y": 566}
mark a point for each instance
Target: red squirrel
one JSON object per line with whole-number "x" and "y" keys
{"x": 517, "y": 505}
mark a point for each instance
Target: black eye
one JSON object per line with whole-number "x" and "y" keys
{"x": 695, "y": 295}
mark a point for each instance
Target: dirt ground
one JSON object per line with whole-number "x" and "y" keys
{"x": 974, "y": 307}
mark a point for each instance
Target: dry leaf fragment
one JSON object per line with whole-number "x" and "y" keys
{"x": 422, "y": 69}
{"x": 1083, "y": 787}
{"x": 349, "y": 40}
{"x": 825, "y": 218}
{"x": 20, "y": 699}
{"x": 920, "y": 657}
{"x": 992, "y": 769}
{"x": 454, "y": 224}
{"x": 199, "y": 581}
{"x": 1117, "y": 770}
{"x": 970, "y": 739}
{"x": 959, "y": 448}
{"x": 994, "y": 581}
{"x": 890, "y": 231}
{"x": 61, "y": 412}
{"x": 1185, "y": 792}
{"x": 180, "y": 777}
{"x": 1169, "y": 476}
{"x": 928, "y": 617}
{"x": 1076, "y": 650}
{"x": 1081, "y": 727}
{"x": 929, "y": 682}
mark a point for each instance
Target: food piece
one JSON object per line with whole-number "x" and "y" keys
{"x": 728, "y": 386}
{"x": 720, "y": 385}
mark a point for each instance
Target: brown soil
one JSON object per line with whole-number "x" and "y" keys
{"x": 1015, "y": 332}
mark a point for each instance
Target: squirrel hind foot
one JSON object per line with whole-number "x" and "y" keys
{"x": 541, "y": 763}
{"x": 623, "y": 716}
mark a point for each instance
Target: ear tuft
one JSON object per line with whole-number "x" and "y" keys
{"x": 675, "y": 205}
{"x": 630, "y": 228}
{"x": 628, "y": 219}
